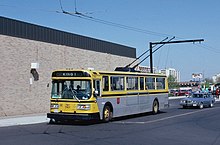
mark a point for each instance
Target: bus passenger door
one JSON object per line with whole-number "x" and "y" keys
{"x": 97, "y": 87}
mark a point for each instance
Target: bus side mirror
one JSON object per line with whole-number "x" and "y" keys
{"x": 96, "y": 92}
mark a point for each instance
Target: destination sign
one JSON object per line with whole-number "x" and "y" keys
{"x": 70, "y": 74}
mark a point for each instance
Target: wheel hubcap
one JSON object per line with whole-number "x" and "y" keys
{"x": 106, "y": 113}
{"x": 155, "y": 107}
{"x": 201, "y": 106}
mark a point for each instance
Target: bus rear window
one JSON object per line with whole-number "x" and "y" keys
{"x": 160, "y": 83}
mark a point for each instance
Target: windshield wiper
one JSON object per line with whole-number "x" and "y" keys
{"x": 72, "y": 91}
{"x": 74, "y": 94}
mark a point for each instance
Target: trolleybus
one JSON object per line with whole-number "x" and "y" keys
{"x": 103, "y": 95}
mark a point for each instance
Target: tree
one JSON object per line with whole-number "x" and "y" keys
{"x": 218, "y": 79}
{"x": 172, "y": 84}
{"x": 208, "y": 81}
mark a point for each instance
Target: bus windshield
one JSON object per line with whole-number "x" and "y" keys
{"x": 71, "y": 89}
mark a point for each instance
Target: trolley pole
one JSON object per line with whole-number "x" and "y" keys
{"x": 168, "y": 42}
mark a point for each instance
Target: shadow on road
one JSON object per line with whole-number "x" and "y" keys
{"x": 136, "y": 116}
{"x": 94, "y": 122}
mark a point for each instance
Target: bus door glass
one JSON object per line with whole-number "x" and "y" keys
{"x": 97, "y": 87}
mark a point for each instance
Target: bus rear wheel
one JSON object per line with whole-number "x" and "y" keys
{"x": 107, "y": 114}
{"x": 155, "y": 107}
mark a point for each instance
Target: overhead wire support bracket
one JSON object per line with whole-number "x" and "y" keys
{"x": 152, "y": 52}
{"x": 181, "y": 41}
{"x": 168, "y": 42}
{"x": 142, "y": 54}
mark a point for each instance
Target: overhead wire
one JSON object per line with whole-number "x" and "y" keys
{"x": 153, "y": 52}
{"x": 159, "y": 58}
{"x": 143, "y": 54}
{"x": 210, "y": 48}
{"x": 86, "y": 17}
{"x": 168, "y": 51}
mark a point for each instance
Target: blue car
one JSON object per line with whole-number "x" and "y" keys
{"x": 200, "y": 100}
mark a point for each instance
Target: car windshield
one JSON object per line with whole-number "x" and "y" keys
{"x": 71, "y": 89}
{"x": 197, "y": 95}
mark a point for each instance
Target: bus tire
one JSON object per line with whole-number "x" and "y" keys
{"x": 107, "y": 114}
{"x": 155, "y": 107}
{"x": 53, "y": 121}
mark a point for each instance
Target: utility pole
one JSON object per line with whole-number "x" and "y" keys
{"x": 168, "y": 42}
{"x": 151, "y": 57}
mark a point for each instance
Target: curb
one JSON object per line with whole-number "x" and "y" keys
{"x": 23, "y": 120}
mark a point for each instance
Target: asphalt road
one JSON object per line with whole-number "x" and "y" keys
{"x": 173, "y": 126}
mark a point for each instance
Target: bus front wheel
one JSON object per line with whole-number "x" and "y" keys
{"x": 53, "y": 121}
{"x": 107, "y": 114}
{"x": 155, "y": 107}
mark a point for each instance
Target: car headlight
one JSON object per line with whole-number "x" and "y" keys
{"x": 182, "y": 101}
{"x": 83, "y": 106}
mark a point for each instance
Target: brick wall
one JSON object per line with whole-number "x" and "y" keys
{"x": 17, "y": 95}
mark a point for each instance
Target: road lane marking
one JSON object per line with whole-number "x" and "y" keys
{"x": 165, "y": 118}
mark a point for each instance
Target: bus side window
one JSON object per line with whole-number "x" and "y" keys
{"x": 141, "y": 83}
{"x": 105, "y": 83}
{"x": 150, "y": 83}
{"x": 160, "y": 83}
{"x": 117, "y": 83}
{"x": 132, "y": 83}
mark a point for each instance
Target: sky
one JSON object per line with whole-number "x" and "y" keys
{"x": 136, "y": 23}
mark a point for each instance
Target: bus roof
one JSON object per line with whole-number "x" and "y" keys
{"x": 96, "y": 72}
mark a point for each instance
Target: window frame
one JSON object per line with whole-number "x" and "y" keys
{"x": 132, "y": 83}
{"x": 163, "y": 84}
{"x": 117, "y": 85}
{"x": 105, "y": 83}
{"x": 142, "y": 83}
{"x": 152, "y": 83}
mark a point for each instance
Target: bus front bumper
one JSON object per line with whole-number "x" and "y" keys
{"x": 66, "y": 117}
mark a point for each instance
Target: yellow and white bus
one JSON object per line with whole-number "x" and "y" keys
{"x": 103, "y": 95}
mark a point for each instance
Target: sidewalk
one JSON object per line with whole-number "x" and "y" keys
{"x": 23, "y": 120}
{"x": 176, "y": 97}
{"x": 39, "y": 118}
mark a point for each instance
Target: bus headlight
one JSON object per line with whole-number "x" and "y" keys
{"x": 54, "y": 106}
{"x": 83, "y": 107}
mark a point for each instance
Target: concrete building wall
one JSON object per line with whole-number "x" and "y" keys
{"x": 17, "y": 95}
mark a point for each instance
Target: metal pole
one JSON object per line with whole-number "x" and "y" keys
{"x": 151, "y": 58}
{"x": 168, "y": 42}
{"x": 181, "y": 41}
